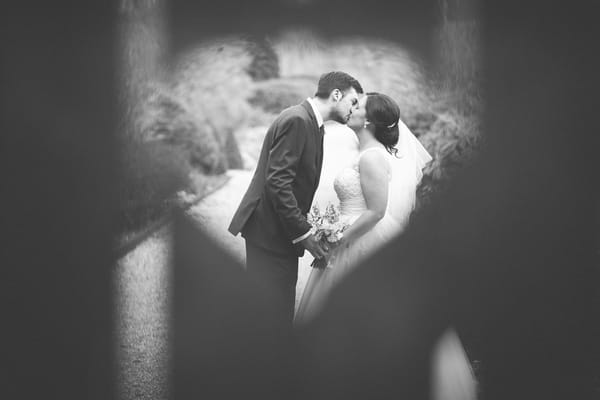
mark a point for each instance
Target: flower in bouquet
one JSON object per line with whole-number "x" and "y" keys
{"x": 327, "y": 227}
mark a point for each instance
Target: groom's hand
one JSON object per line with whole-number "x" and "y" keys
{"x": 315, "y": 247}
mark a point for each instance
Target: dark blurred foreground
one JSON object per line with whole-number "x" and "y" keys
{"x": 508, "y": 255}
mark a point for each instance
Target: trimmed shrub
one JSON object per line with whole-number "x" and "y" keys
{"x": 166, "y": 119}
{"x": 265, "y": 64}
{"x": 274, "y": 95}
{"x": 453, "y": 138}
{"x": 212, "y": 84}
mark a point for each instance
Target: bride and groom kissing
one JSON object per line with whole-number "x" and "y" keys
{"x": 376, "y": 193}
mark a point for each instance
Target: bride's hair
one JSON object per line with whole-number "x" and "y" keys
{"x": 383, "y": 113}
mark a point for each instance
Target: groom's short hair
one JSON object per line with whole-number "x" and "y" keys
{"x": 336, "y": 80}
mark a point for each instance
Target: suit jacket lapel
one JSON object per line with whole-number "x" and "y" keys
{"x": 311, "y": 113}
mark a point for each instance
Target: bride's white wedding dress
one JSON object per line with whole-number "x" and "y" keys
{"x": 452, "y": 377}
{"x": 405, "y": 175}
{"x": 352, "y": 204}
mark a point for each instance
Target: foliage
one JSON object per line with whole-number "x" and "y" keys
{"x": 265, "y": 63}
{"x": 150, "y": 174}
{"x": 166, "y": 119}
{"x": 379, "y": 65}
{"x": 177, "y": 123}
{"x": 228, "y": 89}
{"x": 442, "y": 109}
{"x": 453, "y": 136}
{"x": 211, "y": 82}
{"x": 275, "y": 95}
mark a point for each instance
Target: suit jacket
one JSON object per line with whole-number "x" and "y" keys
{"x": 273, "y": 210}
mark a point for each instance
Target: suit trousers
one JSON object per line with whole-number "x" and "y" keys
{"x": 276, "y": 275}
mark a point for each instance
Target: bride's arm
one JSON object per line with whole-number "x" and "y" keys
{"x": 374, "y": 182}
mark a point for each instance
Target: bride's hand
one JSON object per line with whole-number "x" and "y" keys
{"x": 314, "y": 246}
{"x": 342, "y": 243}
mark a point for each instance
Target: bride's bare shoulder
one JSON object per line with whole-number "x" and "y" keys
{"x": 373, "y": 163}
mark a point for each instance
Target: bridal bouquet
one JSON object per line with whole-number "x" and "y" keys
{"x": 327, "y": 227}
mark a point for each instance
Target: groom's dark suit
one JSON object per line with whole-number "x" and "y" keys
{"x": 272, "y": 213}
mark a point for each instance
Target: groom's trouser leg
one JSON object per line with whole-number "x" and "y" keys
{"x": 277, "y": 275}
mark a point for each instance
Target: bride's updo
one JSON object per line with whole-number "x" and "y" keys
{"x": 383, "y": 114}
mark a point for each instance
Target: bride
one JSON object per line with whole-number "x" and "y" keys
{"x": 376, "y": 194}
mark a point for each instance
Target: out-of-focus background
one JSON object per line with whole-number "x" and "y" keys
{"x": 510, "y": 251}
{"x": 191, "y": 118}
{"x": 193, "y": 125}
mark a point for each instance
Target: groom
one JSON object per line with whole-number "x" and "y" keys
{"x": 272, "y": 214}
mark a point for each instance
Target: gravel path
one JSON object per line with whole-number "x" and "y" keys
{"x": 142, "y": 282}
{"x": 214, "y": 212}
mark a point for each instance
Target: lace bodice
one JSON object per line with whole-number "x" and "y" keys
{"x": 349, "y": 191}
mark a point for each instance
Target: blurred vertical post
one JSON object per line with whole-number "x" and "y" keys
{"x": 142, "y": 49}
{"x": 458, "y": 50}
{"x": 151, "y": 170}
{"x": 541, "y": 108}
{"x": 226, "y": 343}
{"x": 57, "y": 167}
